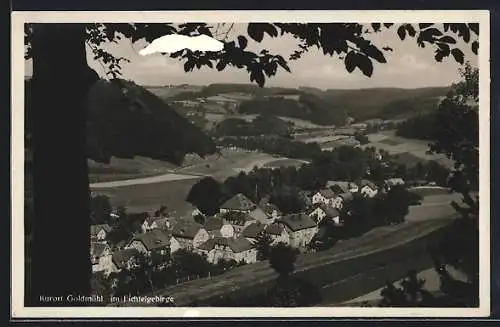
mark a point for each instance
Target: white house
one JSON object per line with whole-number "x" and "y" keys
{"x": 300, "y": 227}
{"x": 152, "y": 222}
{"x": 238, "y": 249}
{"x": 368, "y": 188}
{"x": 187, "y": 236}
{"x": 278, "y": 234}
{"x": 341, "y": 199}
{"x": 100, "y": 232}
{"x": 153, "y": 241}
{"x": 216, "y": 227}
{"x": 100, "y": 254}
{"x": 270, "y": 209}
{"x": 323, "y": 212}
{"x": 325, "y": 196}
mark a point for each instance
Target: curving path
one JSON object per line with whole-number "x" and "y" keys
{"x": 168, "y": 177}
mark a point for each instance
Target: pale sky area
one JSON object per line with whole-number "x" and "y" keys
{"x": 408, "y": 66}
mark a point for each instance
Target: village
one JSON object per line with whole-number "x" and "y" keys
{"x": 231, "y": 236}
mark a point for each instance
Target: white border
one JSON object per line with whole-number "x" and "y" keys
{"x": 407, "y": 16}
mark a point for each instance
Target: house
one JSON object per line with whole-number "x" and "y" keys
{"x": 187, "y": 236}
{"x": 300, "y": 227}
{"x": 341, "y": 199}
{"x": 252, "y": 231}
{"x": 323, "y": 212}
{"x": 339, "y": 187}
{"x": 153, "y": 241}
{"x": 270, "y": 209}
{"x": 238, "y": 203}
{"x": 152, "y": 222}
{"x": 234, "y": 248}
{"x": 123, "y": 259}
{"x": 100, "y": 232}
{"x": 325, "y": 196}
{"x": 100, "y": 256}
{"x": 368, "y": 188}
{"x": 305, "y": 197}
{"x": 278, "y": 233}
{"x": 239, "y": 220}
{"x": 389, "y": 183}
{"x": 215, "y": 227}
{"x": 137, "y": 219}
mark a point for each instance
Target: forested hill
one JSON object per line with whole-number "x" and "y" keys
{"x": 324, "y": 106}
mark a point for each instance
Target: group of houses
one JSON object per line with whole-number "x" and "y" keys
{"x": 232, "y": 233}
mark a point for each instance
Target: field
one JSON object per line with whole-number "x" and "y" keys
{"x": 149, "y": 197}
{"x": 388, "y": 141}
{"x": 284, "y": 163}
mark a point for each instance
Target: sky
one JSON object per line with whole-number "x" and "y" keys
{"x": 408, "y": 66}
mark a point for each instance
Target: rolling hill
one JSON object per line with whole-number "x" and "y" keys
{"x": 324, "y": 107}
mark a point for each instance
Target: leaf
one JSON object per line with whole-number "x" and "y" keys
{"x": 411, "y": 30}
{"x": 242, "y": 41}
{"x": 402, "y": 32}
{"x": 209, "y": 64}
{"x": 350, "y": 61}
{"x": 258, "y": 76}
{"x": 439, "y": 55}
{"x": 365, "y": 65}
{"x": 255, "y": 31}
{"x": 387, "y": 49}
{"x": 475, "y": 47}
{"x": 458, "y": 55}
{"x": 447, "y": 39}
{"x": 425, "y": 25}
{"x": 270, "y": 29}
{"x": 474, "y": 27}
{"x": 387, "y": 25}
{"x": 373, "y": 52}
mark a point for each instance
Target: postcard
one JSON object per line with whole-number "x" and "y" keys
{"x": 286, "y": 163}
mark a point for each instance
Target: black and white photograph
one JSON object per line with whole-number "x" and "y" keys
{"x": 328, "y": 164}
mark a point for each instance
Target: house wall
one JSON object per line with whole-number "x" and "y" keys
{"x": 101, "y": 235}
{"x": 283, "y": 238}
{"x": 249, "y": 256}
{"x": 138, "y": 245}
{"x": 174, "y": 245}
{"x": 338, "y": 202}
{"x": 302, "y": 237}
{"x": 105, "y": 262}
{"x": 227, "y": 230}
{"x": 200, "y": 238}
{"x": 318, "y": 214}
{"x": 318, "y": 198}
{"x": 366, "y": 190}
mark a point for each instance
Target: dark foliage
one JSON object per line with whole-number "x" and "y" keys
{"x": 206, "y": 195}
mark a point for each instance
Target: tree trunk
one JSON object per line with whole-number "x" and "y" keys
{"x": 61, "y": 80}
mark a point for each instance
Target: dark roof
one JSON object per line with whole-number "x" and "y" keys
{"x": 253, "y": 230}
{"x": 259, "y": 215}
{"x": 95, "y": 229}
{"x": 186, "y": 230}
{"x": 97, "y": 248}
{"x": 327, "y": 193}
{"x": 330, "y": 211}
{"x": 154, "y": 239}
{"x": 348, "y": 196}
{"x": 238, "y": 202}
{"x": 213, "y": 223}
{"x": 298, "y": 221}
{"x": 120, "y": 258}
{"x": 208, "y": 245}
{"x": 237, "y": 245}
{"x": 274, "y": 229}
{"x": 237, "y": 217}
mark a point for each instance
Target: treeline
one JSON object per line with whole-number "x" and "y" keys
{"x": 418, "y": 127}
{"x": 308, "y": 107}
{"x": 261, "y": 125}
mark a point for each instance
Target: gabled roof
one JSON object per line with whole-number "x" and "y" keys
{"x": 298, "y": 221}
{"x": 253, "y": 230}
{"x": 238, "y": 202}
{"x": 120, "y": 258}
{"x": 95, "y": 229}
{"x": 154, "y": 239}
{"x": 368, "y": 183}
{"x": 328, "y": 210}
{"x": 186, "y": 230}
{"x": 213, "y": 223}
{"x": 327, "y": 193}
{"x": 236, "y": 245}
{"x": 259, "y": 215}
{"x": 274, "y": 229}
